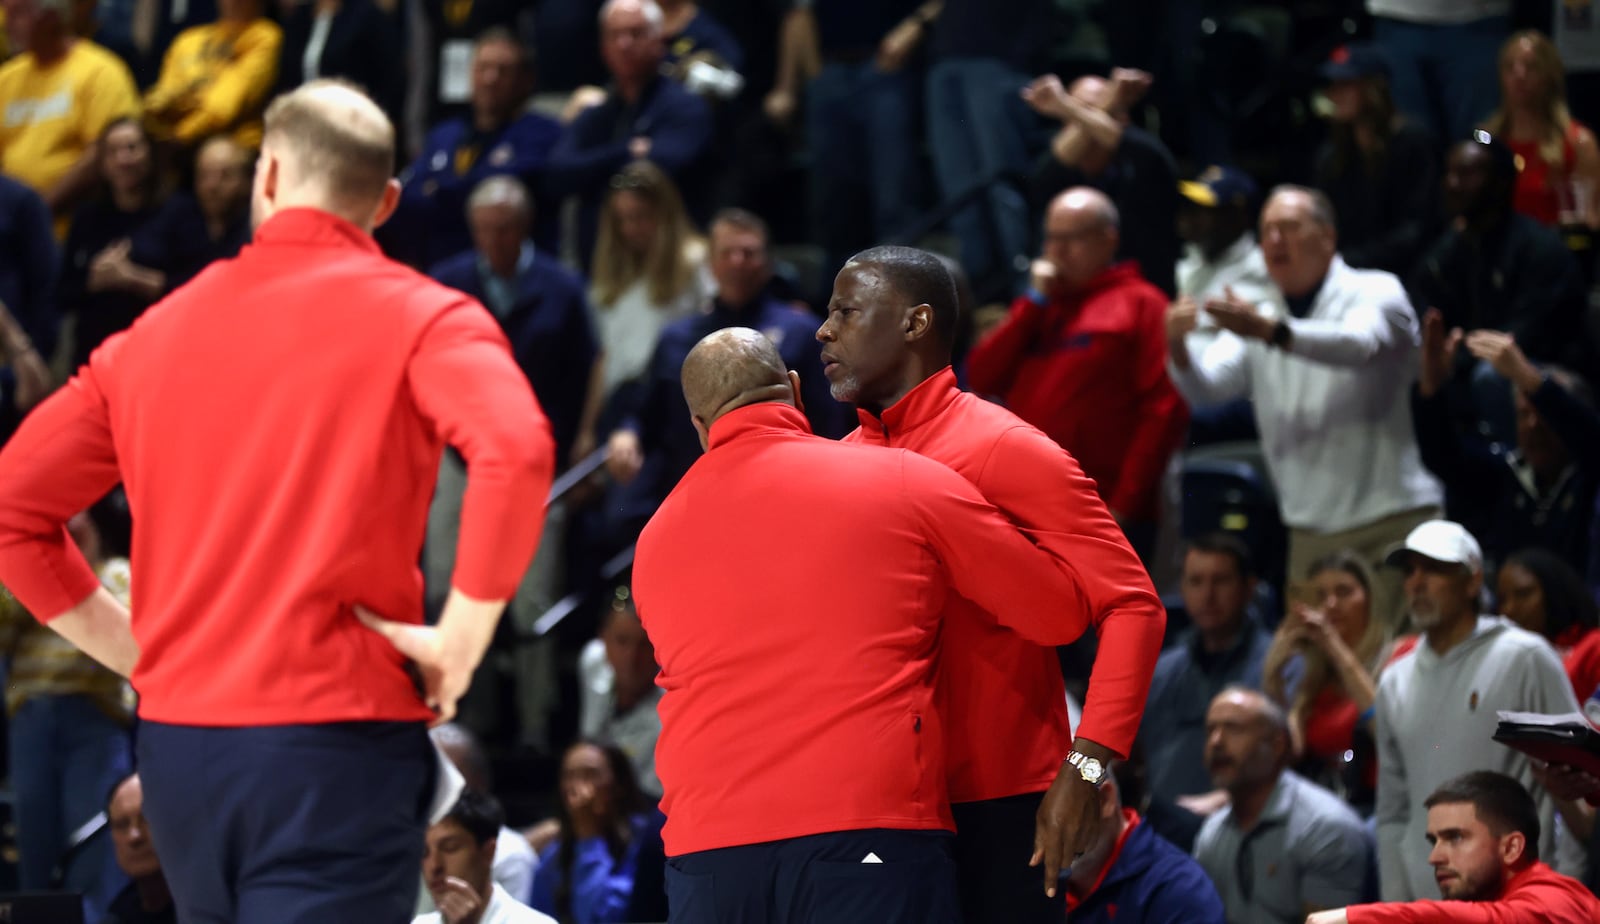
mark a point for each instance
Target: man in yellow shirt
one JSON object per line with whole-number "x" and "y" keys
{"x": 217, "y": 78}
{"x": 56, "y": 97}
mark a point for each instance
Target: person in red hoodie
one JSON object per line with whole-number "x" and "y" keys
{"x": 1484, "y": 829}
{"x": 1015, "y": 769}
{"x": 277, "y": 424}
{"x": 1082, "y": 356}
{"x": 793, "y": 588}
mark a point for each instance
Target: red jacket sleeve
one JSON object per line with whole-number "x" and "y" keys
{"x": 59, "y": 462}
{"x": 466, "y": 383}
{"x": 992, "y": 363}
{"x": 1040, "y": 487}
{"x": 1158, "y": 424}
{"x": 1532, "y": 905}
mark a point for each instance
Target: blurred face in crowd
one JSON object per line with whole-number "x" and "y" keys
{"x": 864, "y": 337}
{"x": 125, "y": 157}
{"x": 451, "y": 853}
{"x": 1243, "y": 748}
{"x": 1212, "y": 229}
{"x": 1469, "y": 861}
{"x": 221, "y": 179}
{"x": 497, "y": 84}
{"x": 636, "y": 220}
{"x": 498, "y": 230}
{"x": 1343, "y": 600}
{"x": 1214, "y": 592}
{"x": 630, "y": 654}
{"x": 629, "y": 43}
{"x": 587, "y": 781}
{"x": 1469, "y": 184}
{"x": 1440, "y": 594}
{"x": 1345, "y": 97}
{"x": 130, "y": 835}
{"x": 1298, "y": 248}
{"x": 1539, "y": 445}
{"x": 1521, "y": 597}
{"x": 738, "y": 263}
{"x": 1079, "y": 239}
{"x": 238, "y": 10}
{"x": 1525, "y": 73}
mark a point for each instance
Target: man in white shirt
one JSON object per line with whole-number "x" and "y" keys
{"x": 1328, "y": 362}
{"x": 458, "y": 868}
{"x": 514, "y": 859}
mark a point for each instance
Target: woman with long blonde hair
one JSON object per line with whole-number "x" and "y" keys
{"x": 1558, "y": 180}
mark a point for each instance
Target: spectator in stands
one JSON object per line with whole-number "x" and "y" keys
{"x": 1323, "y": 668}
{"x": 1097, "y": 147}
{"x": 1544, "y": 594}
{"x": 1495, "y": 268}
{"x": 618, "y": 695}
{"x": 67, "y": 721}
{"x": 146, "y": 899}
{"x": 217, "y": 78}
{"x": 191, "y": 231}
{"x": 1133, "y": 874}
{"x": 1326, "y": 363}
{"x": 28, "y": 264}
{"x": 1485, "y": 830}
{"x": 91, "y": 290}
{"x": 496, "y": 138}
{"x": 1539, "y": 492}
{"x": 587, "y": 875}
{"x": 1223, "y": 647}
{"x": 1440, "y": 55}
{"x": 1558, "y": 182}
{"x": 852, "y": 63}
{"x": 644, "y": 116}
{"x": 1437, "y": 705}
{"x": 1378, "y": 167}
{"x": 24, "y": 375}
{"x": 453, "y": 29}
{"x": 656, "y": 443}
{"x": 1081, "y": 357}
{"x": 356, "y": 40}
{"x": 514, "y": 860}
{"x": 458, "y": 866}
{"x": 649, "y": 270}
{"x": 58, "y": 96}
{"x": 1283, "y": 845}
{"x": 689, "y": 33}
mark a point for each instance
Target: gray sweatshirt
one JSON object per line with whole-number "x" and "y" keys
{"x": 1435, "y": 719}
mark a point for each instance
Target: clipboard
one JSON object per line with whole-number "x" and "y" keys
{"x": 1558, "y": 739}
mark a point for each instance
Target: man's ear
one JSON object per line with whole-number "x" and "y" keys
{"x": 704, "y": 432}
{"x": 390, "y": 202}
{"x": 919, "y": 322}
{"x": 794, "y": 388}
{"x": 1512, "y": 847}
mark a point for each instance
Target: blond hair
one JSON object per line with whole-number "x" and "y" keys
{"x": 338, "y": 136}
{"x": 1558, "y": 118}
{"x": 668, "y": 265}
{"x": 1319, "y": 671}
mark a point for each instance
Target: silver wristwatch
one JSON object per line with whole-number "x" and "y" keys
{"x": 1090, "y": 768}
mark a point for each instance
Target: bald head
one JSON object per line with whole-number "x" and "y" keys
{"x": 731, "y": 368}
{"x": 1081, "y": 237}
{"x": 330, "y": 147}
{"x": 1091, "y": 204}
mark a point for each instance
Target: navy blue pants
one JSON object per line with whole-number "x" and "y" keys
{"x": 994, "y": 840}
{"x": 304, "y": 823}
{"x": 819, "y": 879}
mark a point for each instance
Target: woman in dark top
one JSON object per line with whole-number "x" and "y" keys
{"x": 92, "y": 288}
{"x": 1380, "y": 171}
{"x": 351, "y": 39}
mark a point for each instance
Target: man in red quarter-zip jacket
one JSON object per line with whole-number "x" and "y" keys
{"x": 278, "y": 424}
{"x": 792, "y": 587}
{"x": 886, "y": 348}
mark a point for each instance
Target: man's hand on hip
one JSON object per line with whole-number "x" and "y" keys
{"x": 446, "y": 654}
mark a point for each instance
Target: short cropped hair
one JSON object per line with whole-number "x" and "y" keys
{"x": 1501, "y": 803}
{"x": 480, "y": 814}
{"x": 501, "y": 189}
{"x": 1321, "y": 206}
{"x": 744, "y": 220}
{"x": 355, "y": 165}
{"x": 1224, "y": 543}
{"x": 920, "y": 278}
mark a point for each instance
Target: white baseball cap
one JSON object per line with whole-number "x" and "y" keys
{"x": 1440, "y": 540}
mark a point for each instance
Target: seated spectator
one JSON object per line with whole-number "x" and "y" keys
{"x": 24, "y": 375}
{"x": 1541, "y": 492}
{"x": 1223, "y": 647}
{"x": 539, "y": 303}
{"x": 514, "y": 860}
{"x": 28, "y": 264}
{"x": 649, "y": 270}
{"x": 146, "y": 899}
{"x": 92, "y": 291}
{"x": 1484, "y": 830}
{"x": 1081, "y": 357}
{"x": 1558, "y": 182}
{"x": 497, "y": 138}
{"x": 355, "y": 40}
{"x": 618, "y": 692}
{"x": 191, "y": 231}
{"x": 1438, "y": 705}
{"x": 217, "y": 78}
{"x": 458, "y": 864}
{"x": 1326, "y": 363}
{"x": 1283, "y": 845}
{"x": 1542, "y": 593}
{"x": 587, "y": 875}
{"x": 59, "y": 94}
{"x": 644, "y": 116}
{"x": 1131, "y": 873}
{"x": 1323, "y": 668}
{"x": 690, "y": 34}
{"x": 1097, "y": 147}
{"x": 1378, "y": 168}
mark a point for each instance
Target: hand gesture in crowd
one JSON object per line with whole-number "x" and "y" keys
{"x": 1233, "y": 313}
{"x": 1311, "y": 627}
{"x": 1042, "y": 275}
{"x": 897, "y": 46}
{"x": 1183, "y": 317}
{"x": 1128, "y": 86}
{"x": 1048, "y": 97}
{"x": 1500, "y": 351}
{"x": 111, "y": 269}
{"x": 1438, "y": 352}
{"x": 458, "y": 902}
{"x": 624, "y": 456}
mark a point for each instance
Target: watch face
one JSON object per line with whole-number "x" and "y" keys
{"x": 1092, "y": 769}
